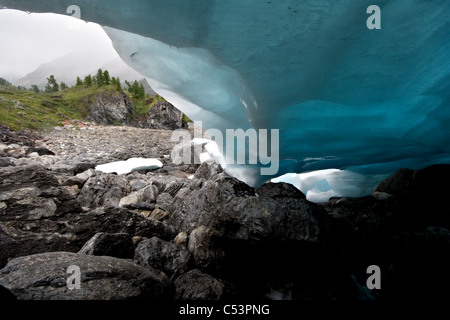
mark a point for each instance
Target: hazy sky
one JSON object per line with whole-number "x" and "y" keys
{"x": 29, "y": 40}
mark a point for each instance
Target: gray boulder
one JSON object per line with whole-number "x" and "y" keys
{"x": 197, "y": 285}
{"x": 103, "y": 190}
{"x": 69, "y": 232}
{"x": 236, "y": 211}
{"x": 162, "y": 255}
{"x": 46, "y": 277}
{"x": 208, "y": 256}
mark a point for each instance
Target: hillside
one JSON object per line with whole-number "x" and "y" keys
{"x": 20, "y": 108}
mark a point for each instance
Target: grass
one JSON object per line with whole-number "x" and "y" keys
{"x": 21, "y": 108}
{"x": 25, "y": 109}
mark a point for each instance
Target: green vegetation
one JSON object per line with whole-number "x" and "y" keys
{"x": 36, "y": 109}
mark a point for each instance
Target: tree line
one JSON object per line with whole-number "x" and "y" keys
{"x": 100, "y": 79}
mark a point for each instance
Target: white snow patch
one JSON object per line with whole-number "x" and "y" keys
{"x": 132, "y": 164}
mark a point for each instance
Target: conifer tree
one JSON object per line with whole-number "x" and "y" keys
{"x": 106, "y": 78}
{"x": 79, "y": 82}
{"x": 88, "y": 80}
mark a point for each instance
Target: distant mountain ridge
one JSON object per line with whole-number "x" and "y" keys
{"x": 78, "y": 64}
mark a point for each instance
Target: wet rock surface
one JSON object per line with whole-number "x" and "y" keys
{"x": 194, "y": 232}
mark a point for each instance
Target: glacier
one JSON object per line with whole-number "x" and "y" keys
{"x": 363, "y": 102}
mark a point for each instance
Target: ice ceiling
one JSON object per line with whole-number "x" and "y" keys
{"x": 342, "y": 95}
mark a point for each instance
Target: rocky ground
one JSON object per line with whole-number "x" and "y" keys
{"x": 193, "y": 232}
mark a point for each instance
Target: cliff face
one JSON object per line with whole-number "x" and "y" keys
{"x": 161, "y": 116}
{"x": 114, "y": 108}
{"x": 109, "y": 107}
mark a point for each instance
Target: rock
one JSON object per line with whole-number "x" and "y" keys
{"x": 279, "y": 190}
{"x": 109, "y": 107}
{"x": 164, "y": 201}
{"x": 173, "y": 187}
{"x": 103, "y": 190}
{"x": 143, "y": 206}
{"x": 162, "y": 255}
{"x": 233, "y": 209}
{"x": 181, "y": 239}
{"x": 400, "y": 183}
{"x": 40, "y": 151}
{"x": 69, "y": 232}
{"x": 129, "y": 200}
{"x": 80, "y": 178}
{"x": 6, "y": 295}
{"x": 38, "y": 176}
{"x": 196, "y": 285}
{"x": 430, "y": 182}
{"x": 44, "y": 277}
{"x": 26, "y": 137}
{"x": 139, "y": 199}
{"x": 162, "y": 115}
{"x": 159, "y": 215}
{"x": 117, "y": 245}
{"x": 208, "y": 256}
{"x": 6, "y": 162}
{"x": 149, "y": 193}
{"x": 208, "y": 170}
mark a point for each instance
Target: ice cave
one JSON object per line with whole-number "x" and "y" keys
{"x": 355, "y": 101}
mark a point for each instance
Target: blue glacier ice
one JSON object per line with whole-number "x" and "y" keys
{"x": 366, "y": 102}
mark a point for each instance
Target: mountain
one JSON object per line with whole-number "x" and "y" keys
{"x": 78, "y": 64}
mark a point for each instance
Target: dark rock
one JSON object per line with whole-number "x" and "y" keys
{"x": 162, "y": 255}
{"x": 208, "y": 170}
{"x": 13, "y": 177}
{"x": 164, "y": 201}
{"x": 143, "y": 206}
{"x": 5, "y": 162}
{"x": 173, "y": 187}
{"x": 203, "y": 245}
{"x": 233, "y": 209}
{"x": 196, "y": 285}
{"x": 109, "y": 107}
{"x": 117, "y": 245}
{"x": 103, "y": 190}
{"x": 6, "y": 295}
{"x": 279, "y": 190}
{"x": 400, "y": 183}
{"x": 40, "y": 151}
{"x": 430, "y": 182}
{"x": 44, "y": 277}
{"x": 69, "y": 232}
{"x": 26, "y": 137}
{"x": 421, "y": 196}
{"x": 162, "y": 115}
{"x": 362, "y": 219}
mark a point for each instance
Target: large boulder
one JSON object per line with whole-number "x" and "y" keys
{"x": 162, "y": 255}
{"x": 236, "y": 211}
{"x": 197, "y": 285}
{"x": 46, "y": 277}
{"x": 204, "y": 247}
{"x": 69, "y": 232}
{"x": 104, "y": 190}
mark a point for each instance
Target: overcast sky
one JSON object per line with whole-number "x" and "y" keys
{"x": 29, "y": 40}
